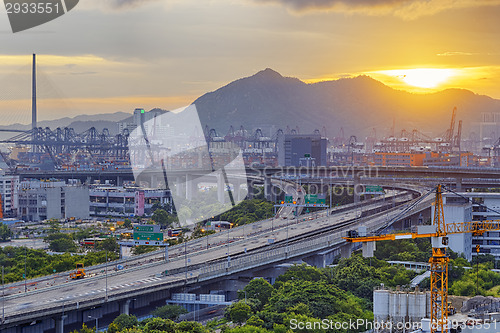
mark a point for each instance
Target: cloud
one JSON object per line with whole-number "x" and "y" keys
{"x": 406, "y": 9}
{"x": 114, "y": 5}
{"x": 455, "y": 53}
{"x": 121, "y": 4}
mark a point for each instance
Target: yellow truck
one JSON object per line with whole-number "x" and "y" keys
{"x": 79, "y": 273}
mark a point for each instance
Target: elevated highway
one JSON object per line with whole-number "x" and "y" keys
{"x": 60, "y": 304}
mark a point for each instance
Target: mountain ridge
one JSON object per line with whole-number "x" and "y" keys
{"x": 357, "y": 104}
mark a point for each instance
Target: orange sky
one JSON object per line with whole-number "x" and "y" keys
{"x": 159, "y": 54}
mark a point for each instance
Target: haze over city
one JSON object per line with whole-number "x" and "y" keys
{"x": 111, "y": 56}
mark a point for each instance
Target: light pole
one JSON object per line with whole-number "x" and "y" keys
{"x": 106, "y": 268}
{"x": 25, "y": 276}
{"x": 228, "y": 258}
{"x": 3, "y": 298}
{"x": 185, "y": 260}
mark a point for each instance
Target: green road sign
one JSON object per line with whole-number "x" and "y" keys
{"x": 146, "y": 228}
{"x": 153, "y": 236}
{"x": 315, "y": 199}
{"x": 288, "y": 199}
{"x": 374, "y": 189}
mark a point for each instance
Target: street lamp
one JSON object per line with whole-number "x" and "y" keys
{"x": 106, "y": 268}
{"x": 185, "y": 260}
{"x": 25, "y": 276}
{"x": 3, "y": 298}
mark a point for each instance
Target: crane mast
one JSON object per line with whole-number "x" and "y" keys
{"x": 439, "y": 269}
{"x": 438, "y": 233}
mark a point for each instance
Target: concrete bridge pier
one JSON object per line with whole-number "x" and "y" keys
{"x": 124, "y": 307}
{"x": 191, "y": 186}
{"x": 221, "y": 187}
{"x": 321, "y": 259}
{"x": 59, "y": 323}
{"x": 251, "y": 189}
{"x": 237, "y": 190}
{"x": 458, "y": 183}
{"x": 178, "y": 187}
{"x": 346, "y": 250}
{"x": 357, "y": 188}
{"x": 268, "y": 188}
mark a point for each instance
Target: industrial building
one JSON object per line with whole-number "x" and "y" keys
{"x": 473, "y": 206}
{"x": 463, "y": 159}
{"x": 126, "y": 201}
{"x": 302, "y": 150}
{"x": 52, "y": 199}
{"x": 400, "y": 306}
{"x": 141, "y": 116}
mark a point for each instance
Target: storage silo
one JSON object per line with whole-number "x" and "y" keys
{"x": 381, "y": 305}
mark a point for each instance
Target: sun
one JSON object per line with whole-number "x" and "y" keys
{"x": 422, "y": 77}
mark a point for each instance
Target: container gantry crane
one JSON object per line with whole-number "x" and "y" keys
{"x": 439, "y": 260}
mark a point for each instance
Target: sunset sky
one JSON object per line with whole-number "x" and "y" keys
{"x": 115, "y": 55}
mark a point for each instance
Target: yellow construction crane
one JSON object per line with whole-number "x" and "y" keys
{"x": 438, "y": 232}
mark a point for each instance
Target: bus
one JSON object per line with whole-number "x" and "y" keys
{"x": 174, "y": 232}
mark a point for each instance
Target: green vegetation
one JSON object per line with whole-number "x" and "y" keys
{"x": 163, "y": 218}
{"x": 60, "y": 242}
{"x": 303, "y": 293}
{"x": 248, "y": 211}
{"x": 466, "y": 283}
{"x": 171, "y": 312}
{"x": 141, "y": 249}
{"x": 39, "y": 263}
{"x": 5, "y": 232}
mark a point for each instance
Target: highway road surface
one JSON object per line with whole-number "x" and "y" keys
{"x": 146, "y": 271}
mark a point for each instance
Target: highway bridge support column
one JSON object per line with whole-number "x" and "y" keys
{"x": 346, "y": 250}
{"x": 251, "y": 189}
{"x": 237, "y": 190}
{"x": 125, "y": 307}
{"x": 178, "y": 187}
{"x": 191, "y": 186}
{"x": 357, "y": 188}
{"x": 268, "y": 188}
{"x": 60, "y": 323}
{"x": 221, "y": 186}
{"x": 119, "y": 180}
{"x": 458, "y": 185}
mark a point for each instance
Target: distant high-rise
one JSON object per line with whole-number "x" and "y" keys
{"x": 302, "y": 150}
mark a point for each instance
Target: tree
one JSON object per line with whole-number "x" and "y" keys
{"x": 127, "y": 223}
{"x": 122, "y": 322}
{"x": 321, "y": 298}
{"x": 259, "y": 289}
{"x": 255, "y": 321}
{"x": 159, "y": 324}
{"x": 162, "y": 217}
{"x": 190, "y": 326}
{"x": 171, "y": 312}
{"x": 62, "y": 245}
{"x": 5, "y": 232}
{"x": 109, "y": 244}
{"x": 239, "y": 312}
{"x": 301, "y": 272}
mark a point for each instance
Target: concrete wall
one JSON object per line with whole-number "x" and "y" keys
{"x": 77, "y": 201}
